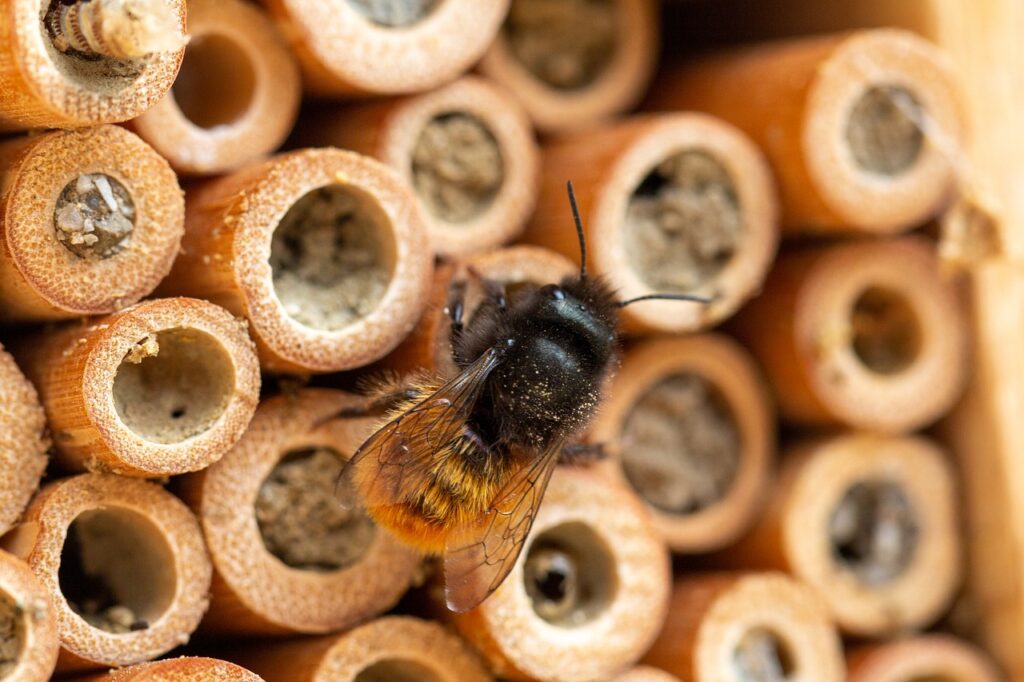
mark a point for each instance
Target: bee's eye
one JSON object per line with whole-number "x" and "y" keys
{"x": 552, "y": 291}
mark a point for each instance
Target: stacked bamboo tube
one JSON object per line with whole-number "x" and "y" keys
{"x": 764, "y": 490}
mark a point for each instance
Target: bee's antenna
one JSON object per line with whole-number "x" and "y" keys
{"x": 579, "y": 230}
{"x": 666, "y": 297}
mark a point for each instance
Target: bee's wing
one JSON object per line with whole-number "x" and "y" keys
{"x": 480, "y": 559}
{"x": 401, "y": 452}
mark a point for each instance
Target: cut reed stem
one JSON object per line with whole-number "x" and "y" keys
{"x": 184, "y": 669}
{"x": 28, "y": 627}
{"x": 930, "y": 657}
{"x": 23, "y": 441}
{"x": 161, "y": 388}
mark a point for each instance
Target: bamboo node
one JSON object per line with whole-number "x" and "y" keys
{"x": 118, "y": 29}
{"x": 885, "y": 130}
{"x": 94, "y": 216}
{"x": 874, "y": 531}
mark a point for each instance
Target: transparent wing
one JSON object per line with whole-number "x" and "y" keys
{"x": 393, "y": 462}
{"x": 477, "y": 562}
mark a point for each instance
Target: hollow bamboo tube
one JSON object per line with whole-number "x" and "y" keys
{"x": 324, "y": 251}
{"x": 867, "y": 334}
{"x": 596, "y": 537}
{"x": 930, "y": 657}
{"x": 466, "y": 149}
{"x": 429, "y": 344}
{"x": 645, "y": 673}
{"x": 863, "y": 130}
{"x": 90, "y": 222}
{"x": 869, "y": 522}
{"x": 394, "y": 648}
{"x": 43, "y": 87}
{"x": 236, "y": 96}
{"x": 28, "y": 628}
{"x": 574, "y": 64}
{"x": 675, "y": 203}
{"x": 184, "y": 669}
{"x": 286, "y": 557}
{"x": 161, "y": 388}
{"x": 745, "y": 626}
{"x": 355, "y": 47}
{"x": 23, "y": 441}
{"x": 122, "y": 562}
{"x": 688, "y": 424}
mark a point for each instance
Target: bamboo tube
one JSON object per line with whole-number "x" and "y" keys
{"x": 688, "y": 424}
{"x": 863, "y": 130}
{"x": 161, "y": 388}
{"x": 287, "y": 557}
{"x": 28, "y": 628}
{"x": 392, "y": 649}
{"x": 466, "y": 149}
{"x": 747, "y": 626}
{"x": 90, "y": 222}
{"x": 69, "y": 65}
{"x": 867, "y": 334}
{"x": 932, "y": 657}
{"x": 236, "y": 96}
{"x": 645, "y": 673}
{"x": 677, "y": 203}
{"x": 324, "y": 252}
{"x": 184, "y": 669}
{"x": 596, "y": 542}
{"x": 360, "y": 47}
{"x": 574, "y": 64}
{"x": 868, "y": 521}
{"x": 123, "y": 563}
{"x": 23, "y": 441}
{"x": 429, "y": 344}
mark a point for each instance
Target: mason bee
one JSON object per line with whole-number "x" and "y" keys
{"x": 459, "y": 468}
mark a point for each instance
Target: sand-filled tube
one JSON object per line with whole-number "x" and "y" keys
{"x": 864, "y": 130}
{"x": 743, "y": 627}
{"x": 75, "y": 64}
{"x": 23, "y": 441}
{"x": 430, "y": 343}
{"x": 123, "y": 563}
{"x": 575, "y": 63}
{"x": 394, "y": 648}
{"x": 28, "y": 626}
{"x": 236, "y": 96}
{"x": 589, "y": 592}
{"x": 90, "y": 223}
{"x": 869, "y": 522}
{"x": 927, "y": 658}
{"x": 287, "y": 556}
{"x": 466, "y": 149}
{"x": 366, "y": 47}
{"x": 324, "y": 251}
{"x": 161, "y": 388}
{"x": 674, "y": 203}
{"x": 688, "y": 424}
{"x": 868, "y": 334}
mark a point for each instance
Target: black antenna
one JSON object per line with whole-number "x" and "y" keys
{"x": 579, "y": 230}
{"x": 666, "y": 297}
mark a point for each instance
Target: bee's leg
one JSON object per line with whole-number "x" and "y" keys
{"x": 456, "y": 308}
{"x": 379, "y": 404}
{"x": 582, "y": 454}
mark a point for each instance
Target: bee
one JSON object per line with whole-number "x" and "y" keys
{"x": 459, "y": 467}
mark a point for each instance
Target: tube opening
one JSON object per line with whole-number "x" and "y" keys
{"x": 332, "y": 256}
{"x": 12, "y": 634}
{"x": 94, "y": 216}
{"x": 874, "y": 531}
{"x": 216, "y": 83}
{"x": 569, "y": 575}
{"x": 299, "y": 517}
{"x": 116, "y": 570}
{"x": 887, "y": 335}
{"x": 763, "y": 656}
{"x": 397, "y": 670}
{"x": 174, "y": 385}
{"x": 567, "y": 44}
{"x": 395, "y": 13}
{"x": 681, "y": 445}
{"x": 885, "y": 130}
{"x": 457, "y": 168}
{"x": 684, "y": 223}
